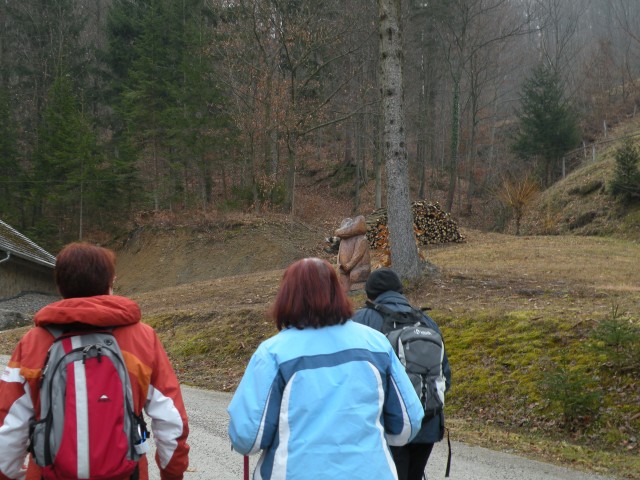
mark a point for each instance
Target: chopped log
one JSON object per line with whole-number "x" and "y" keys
{"x": 431, "y": 224}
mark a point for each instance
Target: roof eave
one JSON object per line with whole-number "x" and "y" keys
{"x": 29, "y": 258}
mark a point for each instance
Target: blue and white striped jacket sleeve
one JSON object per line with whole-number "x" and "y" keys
{"x": 251, "y": 427}
{"x": 402, "y": 410}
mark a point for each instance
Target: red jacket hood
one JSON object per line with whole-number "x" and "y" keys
{"x": 100, "y": 311}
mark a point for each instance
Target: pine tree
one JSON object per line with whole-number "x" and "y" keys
{"x": 626, "y": 178}
{"x": 41, "y": 38}
{"x": 548, "y": 125}
{"x": 10, "y": 170}
{"x": 44, "y": 38}
{"x": 65, "y": 163}
{"x": 165, "y": 95}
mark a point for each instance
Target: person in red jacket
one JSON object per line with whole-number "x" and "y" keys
{"x": 84, "y": 275}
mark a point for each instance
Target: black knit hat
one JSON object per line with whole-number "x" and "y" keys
{"x": 382, "y": 280}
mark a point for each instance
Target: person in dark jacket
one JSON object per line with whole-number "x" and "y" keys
{"x": 384, "y": 287}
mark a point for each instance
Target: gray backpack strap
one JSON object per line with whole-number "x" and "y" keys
{"x": 54, "y": 330}
{"x": 393, "y": 319}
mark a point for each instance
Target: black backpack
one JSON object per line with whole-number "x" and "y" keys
{"x": 421, "y": 351}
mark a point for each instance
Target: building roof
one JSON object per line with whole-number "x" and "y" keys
{"x": 14, "y": 243}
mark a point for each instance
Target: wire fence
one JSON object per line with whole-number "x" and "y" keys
{"x": 588, "y": 153}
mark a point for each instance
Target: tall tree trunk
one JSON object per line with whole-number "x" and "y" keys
{"x": 359, "y": 132}
{"x": 366, "y": 150}
{"x": 471, "y": 159}
{"x": 156, "y": 177}
{"x": 291, "y": 173}
{"x": 319, "y": 145}
{"x": 223, "y": 175}
{"x": 455, "y": 142}
{"x": 207, "y": 182}
{"x": 347, "y": 159}
{"x": 274, "y": 155}
{"x": 422, "y": 127}
{"x": 253, "y": 166}
{"x": 377, "y": 162}
{"x": 402, "y": 240}
{"x": 491, "y": 170}
{"x": 3, "y": 54}
{"x": 422, "y": 165}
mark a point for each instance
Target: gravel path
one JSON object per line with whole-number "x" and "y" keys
{"x": 27, "y": 303}
{"x": 19, "y": 310}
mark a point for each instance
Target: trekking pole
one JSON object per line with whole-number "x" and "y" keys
{"x": 446, "y": 475}
{"x": 246, "y": 467}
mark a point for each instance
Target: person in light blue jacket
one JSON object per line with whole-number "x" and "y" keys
{"x": 324, "y": 397}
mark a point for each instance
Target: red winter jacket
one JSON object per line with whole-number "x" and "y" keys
{"x": 154, "y": 383}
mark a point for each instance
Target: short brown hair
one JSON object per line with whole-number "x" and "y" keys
{"x": 310, "y": 295}
{"x": 84, "y": 270}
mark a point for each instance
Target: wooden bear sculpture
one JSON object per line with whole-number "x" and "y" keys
{"x": 354, "y": 262}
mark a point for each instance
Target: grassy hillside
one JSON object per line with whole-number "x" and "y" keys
{"x": 542, "y": 332}
{"x": 581, "y": 203}
{"x": 545, "y": 338}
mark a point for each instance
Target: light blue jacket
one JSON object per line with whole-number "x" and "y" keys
{"x": 323, "y": 403}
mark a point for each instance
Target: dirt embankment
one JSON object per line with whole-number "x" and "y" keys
{"x": 152, "y": 258}
{"x": 237, "y": 261}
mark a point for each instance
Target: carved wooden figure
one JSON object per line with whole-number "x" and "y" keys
{"x": 354, "y": 262}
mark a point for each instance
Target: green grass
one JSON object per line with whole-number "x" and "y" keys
{"x": 503, "y": 362}
{"x": 523, "y": 373}
{"x": 211, "y": 349}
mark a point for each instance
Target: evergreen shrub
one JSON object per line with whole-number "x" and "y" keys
{"x": 626, "y": 179}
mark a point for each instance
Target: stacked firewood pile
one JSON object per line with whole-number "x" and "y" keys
{"x": 431, "y": 224}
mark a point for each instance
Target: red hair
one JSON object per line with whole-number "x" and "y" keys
{"x": 310, "y": 296}
{"x": 84, "y": 270}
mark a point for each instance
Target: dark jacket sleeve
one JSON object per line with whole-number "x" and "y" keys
{"x": 369, "y": 317}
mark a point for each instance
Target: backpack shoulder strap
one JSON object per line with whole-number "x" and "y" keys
{"x": 411, "y": 316}
{"x": 59, "y": 331}
{"x": 379, "y": 307}
{"x": 54, "y": 330}
{"x": 392, "y": 319}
